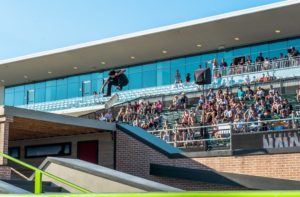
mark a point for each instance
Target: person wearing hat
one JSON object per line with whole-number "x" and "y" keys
{"x": 116, "y": 78}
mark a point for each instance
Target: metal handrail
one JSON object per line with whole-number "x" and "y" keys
{"x": 39, "y": 173}
{"x": 223, "y": 124}
{"x": 256, "y": 66}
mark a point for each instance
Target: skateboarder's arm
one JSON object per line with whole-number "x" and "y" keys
{"x": 120, "y": 72}
{"x": 103, "y": 86}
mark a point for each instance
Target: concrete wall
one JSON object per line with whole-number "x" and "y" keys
{"x": 88, "y": 181}
{"x": 134, "y": 157}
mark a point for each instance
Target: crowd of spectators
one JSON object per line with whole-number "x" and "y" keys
{"x": 248, "y": 110}
{"x": 245, "y": 64}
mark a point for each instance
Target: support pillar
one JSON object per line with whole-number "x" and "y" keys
{"x": 1, "y": 95}
{"x": 5, "y": 171}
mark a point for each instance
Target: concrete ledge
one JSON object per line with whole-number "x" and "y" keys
{"x": 107, "y": 173}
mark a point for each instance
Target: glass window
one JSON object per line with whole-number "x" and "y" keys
{"x": 207, "y": 58}
{"x": 50, "y": 90}
{"x": 135, "y": 77}
{"x": 97, "y": 81}
{"x": 9, "y": 96}
{"x": 276, "y": 48}
{"x": 14, "y": 152}
{"x": 39, "y": 92}
{"x": 149, "y": 75}
{"x": 86, "y": 88}
{"x": 255, "y": 50}
{"x": 73, "y": 87}
{"x": 294, "y": 43}
{"x": 193, "y": 59}
{"x": 61, "y": 90}
{"x": 241, "y": 52}
{"x": 30, "y": 97}
{"x": 61, "y": 149}
{"x": 20, "y": 97}
{"x": 163, "y": 73}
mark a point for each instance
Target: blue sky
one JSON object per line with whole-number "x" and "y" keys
{"x": 30, "y": 26}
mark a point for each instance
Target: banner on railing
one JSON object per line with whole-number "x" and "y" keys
{"x": 266, "y": 140}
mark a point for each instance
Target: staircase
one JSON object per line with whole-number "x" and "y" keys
{"x": 48, "y": 187}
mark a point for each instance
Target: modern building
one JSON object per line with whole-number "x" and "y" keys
{"x": 68, "y": 80}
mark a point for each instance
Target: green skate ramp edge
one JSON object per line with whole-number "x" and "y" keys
{"x": 6, "y": 188}
{"x": 97, "y": 178}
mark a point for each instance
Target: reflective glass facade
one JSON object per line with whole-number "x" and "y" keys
{"x": 140, "y": 76}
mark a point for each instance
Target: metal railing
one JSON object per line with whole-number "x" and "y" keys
{"x": 38, "y": 176}
{"x": 219, "y": 136}
{"x": 257, "y": 66}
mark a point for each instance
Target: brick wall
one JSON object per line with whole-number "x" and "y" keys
{"x": 5, "y": 172}
{"x": 4, "y": 134}
{"x": 134, "y": 157}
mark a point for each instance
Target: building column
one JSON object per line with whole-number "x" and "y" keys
{"x": 1, "y": 95}
{"x": 4, "y": 133}
{"x": 5, "y": 170}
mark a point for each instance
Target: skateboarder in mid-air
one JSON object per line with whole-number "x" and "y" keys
{"x": 116, "y": 78}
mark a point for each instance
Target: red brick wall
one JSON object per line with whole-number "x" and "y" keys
{"x": 134, "y": 157}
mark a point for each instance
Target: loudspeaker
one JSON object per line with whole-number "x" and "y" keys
{"x": 202, "y": 76}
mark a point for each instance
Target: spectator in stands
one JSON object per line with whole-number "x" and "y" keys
{"x": 121, "y": 114}
{"x": 136, "y": 122}
{"x": 158, "y": 119}
{"x": 158, "y": 107}
{"x": 223, "y": 66}
{"x": 264, "y": 78}
{"x": 231, "y": 82}
{"x": 259, "y": 61}
{"x": 177, "y": 77}
{"x": 215, "y": 67}
{"x": 298, "y": 94}
{"x": 188, "y": 78}
{"x": 266, "y": 64}
{"x": 260, "y": 58}
{"x": 108, "y": 116}
{"x": 183, "y": 100}
{"x": 166, "y": 133}
{"x": 210, "y": 95}
{"x": 249, "y": 93}
{"x": 294, "y": 52}
{"x": 249, "y": 66}
{"x": 239, "y": 123}
{"x": 200, "y": 102}
{"x": 175, "y": 103}
{"x": 247, "y": 80}
{"x": 241, "y": 93}
{"x": 185, "y": 117}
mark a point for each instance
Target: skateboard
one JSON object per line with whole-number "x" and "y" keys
{"x": 111, "y": 101}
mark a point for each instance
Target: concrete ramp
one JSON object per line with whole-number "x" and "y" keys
{"x": 6, "y": 188}
{"x": 98, "y": 178}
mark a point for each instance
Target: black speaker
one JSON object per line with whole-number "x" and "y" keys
{"x": 202, "y": 76}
